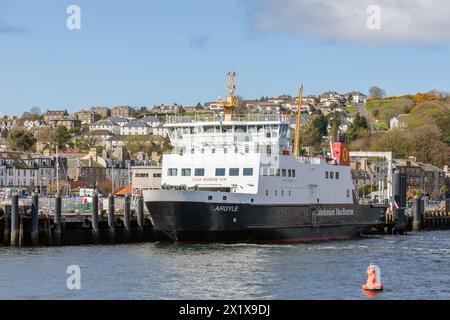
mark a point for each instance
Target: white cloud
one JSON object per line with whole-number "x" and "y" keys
{"x": 402, "y": 21}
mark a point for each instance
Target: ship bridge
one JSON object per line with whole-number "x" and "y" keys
{"x": 259, "y": 133}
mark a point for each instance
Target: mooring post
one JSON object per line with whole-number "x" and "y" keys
{"x": 95, "y": 239}
{"x": 140, "y": 217}
{"x": 127, "y": 210}
{"x": 57, "y": 220}
{"x": 417, "y": 214}
{"x": 15, "y": 220}
{"x": 35, "y": 219}
{"x": 7, "y": 226}
{"x": 111, "y": 222}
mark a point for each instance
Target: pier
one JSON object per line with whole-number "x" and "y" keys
{"x": 23, "y": 224}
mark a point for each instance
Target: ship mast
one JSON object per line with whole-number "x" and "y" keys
{"x": 297, "y": 124}
{"x": 231, "y": 102}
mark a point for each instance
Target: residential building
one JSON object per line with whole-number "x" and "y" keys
{"x": 136, "y": 128}
{"x": 87, "y": 116}
{"x": 122, "y": 111}
{"x": 118, "y": 172}
{"x": 56, "y": 118}
{"x": 33, "y": 124}
{"x": 53, "y": 115}
{"x": 356, "y": 97}
{"x": 7, "y": 123}
{"x": 103, "y": 112}
{"x": 168, "y": 109}
{"x": 121, "y": 121}
{"x": 399, "y": 122}
{"x": 105, "y": 125}
{"x": 422, "y": 176}
{"x": 268, "y": 107}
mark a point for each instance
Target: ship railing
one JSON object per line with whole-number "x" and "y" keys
{"x": 252, "y": 117}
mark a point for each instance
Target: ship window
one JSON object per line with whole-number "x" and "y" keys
{"x": 272, "y": 172}
{"x": 234, "y": 172}
{"x": 213, "y": 150}
{"x": 331, "y": 175}
{"x": 293, "y": 173}
{"x": 185, "y": 172}
{"x": 247, "y": 149}
{"x": 199, "y": 172}
{"x": 248, "y": 171}
{"x": 276, "y": 192}
{"x": 289, "y": 193}
{"x": 278, "y": 172}
{"x": 224, "y": 198}
{"x": 283, "y": 172}
{"x": 326, "y": 174}
{"x": 251, "y": 129}
{"x": 252, "y": 200}
{"x": 337, "y": 175}
{"x": 269, "y": 149}
{"x": 209, "y": 197}
{"x": 220, "y": 172}
{"x": 172, "y": 172}
{"x": 225, "y": 150}
{"x": 267, "y": 193}
{"x": 348, "y": 193}
{"x": 289, "y": 173}
{"x": 282, "y": 193}
{"x": 192, "y": 151}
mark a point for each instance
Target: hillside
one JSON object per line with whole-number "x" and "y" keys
{"x": 427, "y": 132}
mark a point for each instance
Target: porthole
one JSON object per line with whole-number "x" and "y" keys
{"x": 209, "y": 198}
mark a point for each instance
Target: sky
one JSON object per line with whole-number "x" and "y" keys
{"x": 148, "y": 52}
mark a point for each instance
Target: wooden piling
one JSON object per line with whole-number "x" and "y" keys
{"x": 21, "y": 232}
{"x": 35, "y": 219}
{"x": 15, "y": 220}
{"x": 95, "y": 238}
{"x": 140, "y": 217}
{"x": 417, "y": 216}
{"x": 7, "y": 226}
{"x": 127, "y": 212}
{"x": 57, "y": 221}
{"x": 111, "y": 221}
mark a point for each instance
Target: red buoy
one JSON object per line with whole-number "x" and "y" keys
{"x": 373, "y": 279}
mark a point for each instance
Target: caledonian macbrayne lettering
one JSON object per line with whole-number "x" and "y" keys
{"x": 334, "y": 212}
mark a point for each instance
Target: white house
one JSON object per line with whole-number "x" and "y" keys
{"x": 107, "y": 125}
{"x": 357, "y": 97}
{"x": 398, "y": 122}
{"x": 135, "y": 128}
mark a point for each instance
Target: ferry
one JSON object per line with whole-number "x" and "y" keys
{"x": 235, "y": 178}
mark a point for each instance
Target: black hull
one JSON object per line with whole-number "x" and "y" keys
{"x": 197, "y": 222}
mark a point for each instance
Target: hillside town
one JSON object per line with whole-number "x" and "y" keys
{"x": 119, "y": 149}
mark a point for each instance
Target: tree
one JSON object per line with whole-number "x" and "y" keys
{"x": 84, "y": 145}
{"x": 321, "y": 124}
{"x": 60, "y": 137}
{"x": 21, "y": 140}
{"x": 135, "y": 144}
{"x": 35, "y": 111}
{"x": 376, "y": 92}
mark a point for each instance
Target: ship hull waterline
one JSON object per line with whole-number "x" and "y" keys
{"x": 200, "y": 222}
